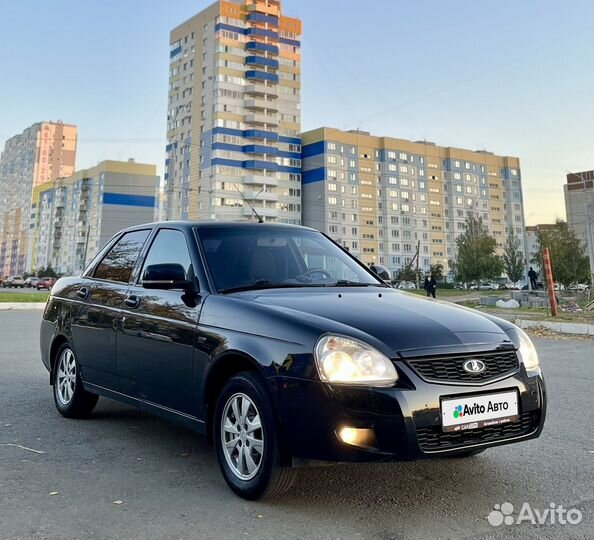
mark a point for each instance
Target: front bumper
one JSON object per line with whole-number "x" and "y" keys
{"x": 405, "y": 419}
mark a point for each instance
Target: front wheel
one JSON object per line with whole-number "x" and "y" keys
{"x": 247, "y": 442}
{"x": 71, "y": 399}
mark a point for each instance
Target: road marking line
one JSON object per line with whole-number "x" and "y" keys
{"x": 23, "y": 448}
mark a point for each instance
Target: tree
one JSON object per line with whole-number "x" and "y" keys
{"x": 407, "y": 273}
{"x": 47, "y": 272}
{"x": 513, "y": 260}
{"x": 569, "y": 262}
{"x": 437, "y": 271}
{"x": 476, "y": 259}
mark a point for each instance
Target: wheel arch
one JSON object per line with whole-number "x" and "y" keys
{"x": 57, "y": 342}
{"x": 224, "y": 367}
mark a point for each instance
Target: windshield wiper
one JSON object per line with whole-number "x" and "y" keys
{"x": 266, "y": 284}
{"x": 348, "y": 283}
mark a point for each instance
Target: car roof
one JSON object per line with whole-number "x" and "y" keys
{"x": 216, "y": 224}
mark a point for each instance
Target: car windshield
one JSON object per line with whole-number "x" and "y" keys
{"x": 245, "y": 258}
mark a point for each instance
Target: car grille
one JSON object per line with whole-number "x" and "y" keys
{"x": 434, "y": 438}
{"x": 450, "y": 368}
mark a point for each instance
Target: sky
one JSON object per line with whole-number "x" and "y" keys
{"x": 515, "y": 77}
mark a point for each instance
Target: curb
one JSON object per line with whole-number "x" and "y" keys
{"x": 560, "y": 327}
{"x": 13, "y": 306}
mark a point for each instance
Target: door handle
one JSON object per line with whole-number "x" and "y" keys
{"x": 132, "y": 301}
{"x": 83, "y": 292}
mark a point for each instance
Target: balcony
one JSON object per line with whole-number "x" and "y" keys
{"x": 264, "y": 212}
{"x": 260, "y": 32}
{"x": 255, "y": 17}
{"x": 257, "y": 47}
{"x": 257, "y": 195}
{"x": 261, "y": 104}
{"x": 261, "y": 61}
{"x": 261, "y": 90}
{"x": 261, "y": 119}
{"x": 260, "y": 180}
{"x": 259, "y": 134}
{"x": 256, "y": 75}
{"x": 272, "y": 8}
{"x": 260, "y": 149}
{"x": 260, "y": 165}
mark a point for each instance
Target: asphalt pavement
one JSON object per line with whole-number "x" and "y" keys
{"x": 125, "y": 474}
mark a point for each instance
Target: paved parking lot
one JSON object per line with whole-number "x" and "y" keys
{"x": 166, "y": 482}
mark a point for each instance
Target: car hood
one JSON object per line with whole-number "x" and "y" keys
{"x": 394, "y": 321}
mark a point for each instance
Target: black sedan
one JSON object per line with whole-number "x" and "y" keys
{"x": 284, "y": 350}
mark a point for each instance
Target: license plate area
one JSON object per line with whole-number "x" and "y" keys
{"x": 479, "y": 410}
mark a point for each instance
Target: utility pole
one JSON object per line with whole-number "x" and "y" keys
{"x": 417, "y": 257}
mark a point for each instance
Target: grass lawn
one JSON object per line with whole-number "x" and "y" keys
{"x": 23, "y": 297}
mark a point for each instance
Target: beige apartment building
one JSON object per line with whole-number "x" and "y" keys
{"x": 579, "y": 195}
{"x": 234, "y": 118}
{"x": 380, "y": 197}
{"x": 72, "y": 218}
{"x": 42, "y": 153}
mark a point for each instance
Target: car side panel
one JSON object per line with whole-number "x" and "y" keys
{"x": 94, "y": 321}
{"x": 56, "y": 321}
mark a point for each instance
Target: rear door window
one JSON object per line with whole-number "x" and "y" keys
{"x": 119, "y": 261}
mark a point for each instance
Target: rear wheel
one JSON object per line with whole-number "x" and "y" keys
{"x": 71, "y": 399}
{"x": 246, "y": 440}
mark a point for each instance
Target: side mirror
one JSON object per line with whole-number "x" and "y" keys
{"x": 381, "y": 271}
{"x": 166, "y": 276}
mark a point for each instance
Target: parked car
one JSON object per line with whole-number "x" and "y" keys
{"x": 283, "y": 349}
{"x": 485, "y": 285}
{"x": 578, "y": 287}
{"x": 46, "y": 283}
{"x": 407, "y": 285}
{"x": 13, "y": 282}
{"x": 31, "y": 281}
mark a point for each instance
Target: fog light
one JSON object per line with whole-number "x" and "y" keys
{"x": 357, "y": 436}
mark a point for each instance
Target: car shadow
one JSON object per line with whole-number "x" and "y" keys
{"x": 337, "y": 487}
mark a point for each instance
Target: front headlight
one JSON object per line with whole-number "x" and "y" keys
{"x": 343, "y": 360}
{"x": 526, "y": 350}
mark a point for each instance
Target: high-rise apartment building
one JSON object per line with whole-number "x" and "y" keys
{"x": 73, "y": 217}
{"x": 579, "y": 208}
{"x": 233, "y": 121}
{"x": 40, "y": 154}
{"x": 532, "y": 244}
{"x": 380, "y": 196}
{"x": 579, "y": 195}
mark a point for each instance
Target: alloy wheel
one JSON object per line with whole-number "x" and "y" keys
{"x": 242, "y": 436}
{"x": 66, "y": 377}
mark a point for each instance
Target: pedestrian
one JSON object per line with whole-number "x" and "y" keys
{"x": 533, "y": 276}
{"x": 430, "y": 285}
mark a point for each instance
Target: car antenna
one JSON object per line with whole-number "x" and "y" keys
{"x": 260, "y": 220}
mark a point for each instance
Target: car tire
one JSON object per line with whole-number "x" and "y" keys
{"x": 272, "y": 475}
{"x": 71, "y": 399}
